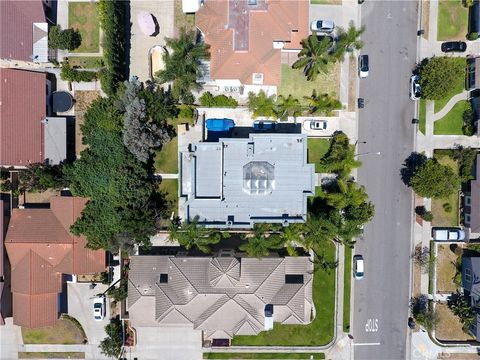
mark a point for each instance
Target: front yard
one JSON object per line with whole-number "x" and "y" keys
{"x": 452, "y": 123}
{"x": 452, "y": 20}
{"x": 316, "y": 149}
{"x": 446, "y": 269}
{"x": 166, "y": 159}
{"x": 83, "y": 16}
{"x": 319, "y": 331}
{"x": 456, "y": 88}
{"x": 442, "y": 217}
{"x": 449, "y": 326}
{"x": 64, "y": 332}
{"x": 169, "y": 188}
{"x": 422, "y": 115}
{"x": 295, "y": 83}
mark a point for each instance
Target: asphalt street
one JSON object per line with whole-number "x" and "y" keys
{"x": 381, "y": 299}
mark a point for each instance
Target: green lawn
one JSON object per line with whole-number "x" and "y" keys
{"x": 51, "y": 355}
{"x": 452, "y": 123}
{"x": 63, "y": 332}
{"x": 422, "y": 115}
{"x": 347, "y": 277}
{"x": 83, "y": 16}
{"x": 316, "y": 149}
{"x": 169, "y": 187}
{"x": 295, "y": 83}
{"x": 319, "y": 331}
{"x": 455, "y": 88}
{"x": 85, "y": 62}
{"x": 440, "y": 216}
{"x": 260, "y": 356}
{"x": 452, "y": 20}
{"x": 166, "y": 159}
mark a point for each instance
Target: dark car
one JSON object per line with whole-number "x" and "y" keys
{"x": 454, "y": 46}
{"x": 411, "y": 323}
{"x": 360, "y": 103}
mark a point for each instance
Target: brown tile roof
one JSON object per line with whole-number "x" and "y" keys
{"x": 22, "y": 109}
{"x": 241, "y": 37}
{"x": 41, "y": 248}
{"x": 16, "y": 27}
{"x": 35, "y": 310}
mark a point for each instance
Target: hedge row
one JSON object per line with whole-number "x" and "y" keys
{"x": 113, "y": 20}
{"x": 70, "y": 74}
{"x": 208, "y": 100}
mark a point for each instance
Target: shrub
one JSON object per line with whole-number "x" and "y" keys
{"x": 472, "y": 36}
{"x": 70, "y": 74}
{"x": 468, "y": 120}
{"x": 68, "y": 39}
{"x": 447, "y": 207}
{"x": 186, "y": 111}
{"x": 427, "y": 216}
{"x": 208, "y": 100}
{"x": 466, "y": 159}
{"x": 438, "y": 74}
{"x": 434, "y": 180}
{"x": 113, "y": 17}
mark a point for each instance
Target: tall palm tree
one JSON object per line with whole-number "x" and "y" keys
{"x": 261, "y": 104}
{"x": 314, "y": 57}
{"x": 348, "y": 41}
{"x": 322, "y": 104}
{"x": 261, "y": 241}
{"x": 191, "y": 234}
{"x": 183, "y": 62}
{"x": 291, "y": 236}
{"x": 287, "y": 106}
{"x": 340, "y": 158}
{"x": 321, "y": 261}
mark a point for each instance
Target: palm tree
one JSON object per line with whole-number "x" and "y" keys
{"x": 318, "y": 229}
{"x": 183, "y": 63}
{"x": 321, "y": 262}
{"x": 461, "y": 307}
{"x": 287, "y": 106}
{"x": 340, "y": 158}
{"x": 322, "y": 104}
{"x": 261, "y": 241}
{"x": 261, "y": 104}
{"x": 348, "y": 41}
{"x": 314, "y": 57}
{"x": 291, "y": 236}
{"x": 191, "y": 234}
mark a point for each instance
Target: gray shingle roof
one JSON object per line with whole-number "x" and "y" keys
{"x": 219, "y": 295}
{"x": 239, "y": 181}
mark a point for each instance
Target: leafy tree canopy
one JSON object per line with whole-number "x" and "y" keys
{"x": 68, "y": 39}
{"x": 438, "y": 75}
{"x": 340, "y": 158}
{"x": 434, "y": 180}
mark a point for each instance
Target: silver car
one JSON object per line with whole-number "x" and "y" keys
{"x": 415, "y": 90}
{"x": 325, "y": 26}
{"x": 315, "y": 125}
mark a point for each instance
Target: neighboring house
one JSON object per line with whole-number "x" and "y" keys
{"x": 28, "y": 134}
{"x": 237, "y": 182}
{"x": 474, "y": 17}
{"x": 471, "y": 286}
{"x": 41, "y": 250}
{"x": 23, "y": 31}
{"x": 2, "y": 262}
{"x": 222, "y": 296}
{"x": 471, "y": 205}
{"x": 247, "y": 38}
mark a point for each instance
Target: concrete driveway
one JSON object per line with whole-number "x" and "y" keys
{"x": 167, "y": 343}
{"x": 80, "y": 306}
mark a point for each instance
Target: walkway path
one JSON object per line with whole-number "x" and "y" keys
{"x": 166, "y": 176}
{"x": 451, "y": 103}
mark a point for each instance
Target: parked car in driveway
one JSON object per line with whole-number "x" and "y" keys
{"x": 448, "y": 234}
{"x": 315, "y": 125}
{"x": 99, "y": 308}
{"x": 358, "y": 267}
{"x": 415, "y": 90}
{"x": 454, "y": 46}
{"x": 363, "y": 66}
{"x": 326, "y": 26}
{"x": 261, "y": 125}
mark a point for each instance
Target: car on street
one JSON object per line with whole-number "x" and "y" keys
{"x": 261, "y": 125}
{"x": 358, "y": 267}
{"x": 315, "y": 125}
{"x": 448, "y": 234}
{"x": 360, "y": 103}
{"x": 363, "y": 66}
{"x": 99, "y": 308}
{"x": 454, "y": 46}
{"x": 411, "y": 323}
{"x": 325, "y": 26}
{"x": 415, "y": 90}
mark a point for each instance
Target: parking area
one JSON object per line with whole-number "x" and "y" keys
{"x": 80, "y": 306}
{"x": 167, "y": 343}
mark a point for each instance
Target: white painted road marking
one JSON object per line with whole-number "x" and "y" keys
{"x": 366, "y": 344}
{"x": 371, "y": 325}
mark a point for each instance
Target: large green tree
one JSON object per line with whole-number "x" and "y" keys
{"x": 322, "y": 104}
{"x": 183, "y": 64}
{"x": 287, "y": 106}
{"x": 262, "y": 241}
{"x": 314, "y": 58}
{"x": 439, "y": 74}
{"x": 340, "y": 157}
{"x": 261, "y": 104}
{"x": 434, "y": 180}
{"x": 112, "y": 345}
{"x": 122, "y": 209}
{"x": 68, "y": 39}
{"x": 347, "y": 40}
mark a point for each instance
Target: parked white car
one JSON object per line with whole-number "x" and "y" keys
{"x": 99, "y": 308}
{"x": 448, "y": 234}
{"x": 325, "y": 26}
{"x": 358, "y": 267}
{"x": 363, "y": 66}
{"x": 315, "y": 125}
{"x": 415, "y": 90}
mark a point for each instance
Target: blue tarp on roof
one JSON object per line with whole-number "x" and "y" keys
{"x": 220, "y": 124}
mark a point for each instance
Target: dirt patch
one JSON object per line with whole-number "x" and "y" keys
{"x": 182, "y": 20}
{"x": 417, "y": 278}
{"x": 352, "y": 83}
{"x": 425, "y": 17}
{"x": 451, "y": 356}
{"x": 83, "y": 100}
{"x": 449, "y": 327}
{"x": 63, "y": 332}
{"x": 446, "y": 269}
{"x": 40, "y": 197}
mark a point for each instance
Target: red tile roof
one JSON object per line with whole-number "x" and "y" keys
{"x": 22, "y": 109}
{"x": 2, "y": 270}
{"x": 41, "y": 248}
{"x": 16, "y": 27}
{"x": 241, "y": 37}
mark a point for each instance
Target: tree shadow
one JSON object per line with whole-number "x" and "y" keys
{"x": 410, "y": 165}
